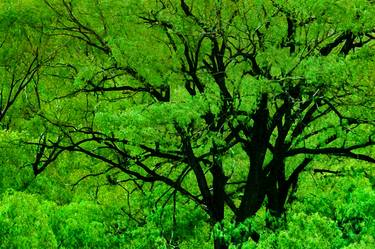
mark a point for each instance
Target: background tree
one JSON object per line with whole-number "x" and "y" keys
{"x": 24, "y": 51}
{"x": 222, "y": 102}
{"x": 21, "y": 59}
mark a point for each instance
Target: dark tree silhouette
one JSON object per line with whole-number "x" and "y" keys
{"x": 292, "y": 117}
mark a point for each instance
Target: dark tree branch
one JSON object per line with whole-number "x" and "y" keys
{"x": 322, "y": 171}
{"x": 345, "y": 152}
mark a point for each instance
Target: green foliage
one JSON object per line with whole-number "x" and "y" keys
{"x": 24, "y": 222}
{"x": 13, "y": 174}
{"x": 80, "y": 225}
{"x": 305, "y": 231}
{"x": 106, "y": 94}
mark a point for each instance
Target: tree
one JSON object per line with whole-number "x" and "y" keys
{"x": 223, "y": 102}
{"x": 24, "y": 50}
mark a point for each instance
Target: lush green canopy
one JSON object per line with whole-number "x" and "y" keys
{"x": 180, "y": 119}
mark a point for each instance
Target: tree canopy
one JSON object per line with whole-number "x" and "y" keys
{"x": 218, "y": 104}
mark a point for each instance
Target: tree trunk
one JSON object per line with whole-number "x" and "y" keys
{"x": 256, "y": 149}
{"x": 277, "y": 190}
{"x": 218, "y": 201}
{"x": 219, "y": 243}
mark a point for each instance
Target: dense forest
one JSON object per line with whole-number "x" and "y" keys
{"x": 187, "y": 124}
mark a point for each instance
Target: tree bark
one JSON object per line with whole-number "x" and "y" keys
{"x": 219, "y": 243}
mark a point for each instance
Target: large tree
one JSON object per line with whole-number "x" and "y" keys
{"x": 223, "y": 102}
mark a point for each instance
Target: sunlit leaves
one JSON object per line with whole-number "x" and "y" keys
{"x": 24, "y": 222}
{"x": 165, "y": 92}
